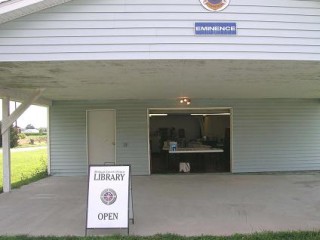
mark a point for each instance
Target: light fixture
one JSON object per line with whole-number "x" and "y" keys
{"x": 210, "y": 114}
{"x": 158, "y": 114}
{"x": 185, "y": 100}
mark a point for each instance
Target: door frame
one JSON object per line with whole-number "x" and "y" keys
{"x": 192, "y": 109}
{"x": 115, "y": 133}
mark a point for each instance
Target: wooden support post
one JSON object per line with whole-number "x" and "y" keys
{"x": 6, "y": 147}
{"x": 7, "y": 121}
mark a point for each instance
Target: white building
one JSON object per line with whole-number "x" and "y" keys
{"x": 30, "y": 131}
{"x": 133, "y": 58}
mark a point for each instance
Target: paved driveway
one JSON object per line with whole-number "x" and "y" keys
{"x": 182, "y": 204}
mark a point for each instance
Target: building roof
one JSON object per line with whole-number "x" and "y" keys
{"x": 12, "y": 9}
{"x": 2, "y": 1}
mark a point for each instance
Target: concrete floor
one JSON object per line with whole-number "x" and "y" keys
{"x": 183, "y": 204}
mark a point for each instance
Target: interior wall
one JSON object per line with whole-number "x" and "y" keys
{"x": 214, "y": 126}
{"x": 188, "y": 123}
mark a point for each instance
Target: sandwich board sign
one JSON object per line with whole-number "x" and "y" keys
{"x": 109, "y": 190}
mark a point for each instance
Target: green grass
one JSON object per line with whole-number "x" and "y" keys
{"x": 308, "y": 235}
{"x": 26, "y": 167}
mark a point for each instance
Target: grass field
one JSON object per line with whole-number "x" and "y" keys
{"x": 32, "y": 141}
{"x": 308, "y": 235}
{"x": 26, "y": 167}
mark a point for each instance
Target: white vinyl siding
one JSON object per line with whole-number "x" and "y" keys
{"x": 68, "y": 136}
{"x": 140, "y": 29}
{"x": 277, "y": 136}
{"x": 268, "y": 135}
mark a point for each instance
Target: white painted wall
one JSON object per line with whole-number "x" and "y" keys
{"x": 163, "y": 29}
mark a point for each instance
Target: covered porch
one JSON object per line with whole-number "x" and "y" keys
{"x": 130, "y": 87}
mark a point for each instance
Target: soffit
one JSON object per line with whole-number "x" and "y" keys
{"x": 164, "y": 79}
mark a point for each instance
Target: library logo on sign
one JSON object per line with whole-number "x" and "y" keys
{"x": 215, "y": 5}
{"x": 108, "y": 196}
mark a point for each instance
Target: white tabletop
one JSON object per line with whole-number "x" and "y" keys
{"x": 196, "y": 150}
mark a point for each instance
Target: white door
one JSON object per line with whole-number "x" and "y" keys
{"x": 101, "y": 136}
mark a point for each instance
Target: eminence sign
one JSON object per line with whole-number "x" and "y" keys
{"x": 108, "y": 197}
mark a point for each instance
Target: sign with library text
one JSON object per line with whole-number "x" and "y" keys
{"x": 108, "y": 197}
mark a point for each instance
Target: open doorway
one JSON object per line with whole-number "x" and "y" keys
{"x": 190, "y": 140}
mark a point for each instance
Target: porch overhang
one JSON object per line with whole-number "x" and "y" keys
{"x": 162, "y": 79}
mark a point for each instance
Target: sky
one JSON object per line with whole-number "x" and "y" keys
{"x": 35, "y": 115}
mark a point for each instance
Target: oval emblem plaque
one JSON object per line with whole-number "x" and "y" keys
{"x": 215, "y": 5}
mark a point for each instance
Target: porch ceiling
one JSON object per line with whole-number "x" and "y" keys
{"x": 164, "y": 79}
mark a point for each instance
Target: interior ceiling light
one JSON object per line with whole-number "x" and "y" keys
{"x": 185, "y": 100}
{"x": 209, "y": 114}
{"x": 158, "y": 114}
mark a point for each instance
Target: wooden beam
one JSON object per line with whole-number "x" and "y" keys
{"x": 7, "y": 122}
{"x": 6, "y": 147}
{"x": 22, "y": 95}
